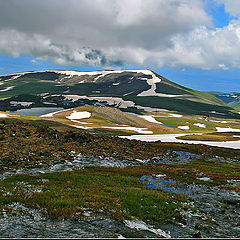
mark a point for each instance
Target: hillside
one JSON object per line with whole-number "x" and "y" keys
{"x": 134, "y": 89}
{"x": 231, "y": 99}
{"x": 68, "y": 167}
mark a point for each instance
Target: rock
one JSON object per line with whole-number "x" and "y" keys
{"x": 197, "y": 234}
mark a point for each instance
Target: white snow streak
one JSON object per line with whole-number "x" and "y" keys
{"x": 204, "y": 179}
{"x": 79, "y": 115}
{"x": 173, "y": 138}
{"x": 139, "y": 130}
{"x": 3, "y": 115}
{"x": 184, "y": 127}
{"x": 115, "y": 101}
{"x": 149, "y": 118}
{"x": 175, "y": 115}
{"x": 81, "y": 127}
{"x": 140, "y": 225}
{"x": 200, "y": 125}
{"x": 219, "y": 129}
{"x": 7, "y": 89}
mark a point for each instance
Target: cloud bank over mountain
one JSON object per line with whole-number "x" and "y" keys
{"x": 150, "y": 33}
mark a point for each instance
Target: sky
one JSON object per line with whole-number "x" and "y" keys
{"x": 195, "y": 43}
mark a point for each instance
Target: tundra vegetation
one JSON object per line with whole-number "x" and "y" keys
{"x": 163, "y": 184}
{"x": 115, "y": 191}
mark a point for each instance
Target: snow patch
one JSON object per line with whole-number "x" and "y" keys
{"x": 149, "y": 118}
{"x": 7, "y": 89}
{"x": 48, "y": 103}
{"x": 204, "y": 179}
{"x": 184, "y": 127}
{"x": 126, "y": 94}
{"x": 218, "y": 121}
{"x": 51, "y": 114}
{"x": 173, "y": 138}
{"x": 168, "y": 95}
{"x": 14, "y": 77}
{"x": 200, "y": 125}
{"x": 219, "y": 129}
{"x": 175, "y": 115}
{"x": 217, "y": 113}
{"x": 79, "y": 115}
{"x": 81, "y": 127}
{"x": 115, "y": 84}
{"x": 159, "y": 175}
{"x": 152, "y": 82}
{"x": 3, "y": 115}
{"x": 115, "y": 101}
{"x": 103, "y": 73}
{"x": 139, "y": 130}
{"x": 22, "y": 103}
{"x": 141, "y": 161}
{"x": 140, "y": 225}
{"x": 121, "y": 236}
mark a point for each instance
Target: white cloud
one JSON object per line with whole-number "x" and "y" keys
{"x": 232, "y": 7}
{"x": 208, "y": 49}
{"x": 148, "y": 33}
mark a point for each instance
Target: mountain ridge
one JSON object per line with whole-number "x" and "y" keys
{"x": 135, "y": 84}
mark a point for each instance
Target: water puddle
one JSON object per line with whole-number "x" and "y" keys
{"x": 164, "y": 184}
{"x": 176, "y": 157}
{"x": 215, "y": 211}
{"x": 169, "y": 126}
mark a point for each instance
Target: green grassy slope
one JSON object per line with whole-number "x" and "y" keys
{"x": 185, "y": 106}
{"x": 168, "y": 87}
{"x": 131, "y": 84}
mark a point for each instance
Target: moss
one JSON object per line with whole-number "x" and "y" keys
{"x": 218, "y": 172}
{"x": 114, "y": 191}
{"x": 211, "y": 137}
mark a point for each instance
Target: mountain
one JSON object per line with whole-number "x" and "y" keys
{"x": 133, "y": 90}
{"x": 231, "y": 99}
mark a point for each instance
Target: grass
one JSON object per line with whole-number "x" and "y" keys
{"x": 168, "y": 87}
{"x": 220, "y": 172}
{"x": 28, "y": 143}
{"x": 191, "y": 120}
{"x": 113, "y": 117}
{"x": 216, "y": 137}
{"x": 116, "y": 192}
{"x": 202, "y": 104}
{"x": 209, "y": 98}
{"x": 183, "y": 106}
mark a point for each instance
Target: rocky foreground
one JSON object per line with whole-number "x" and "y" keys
{"x": 57, "y": 181}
